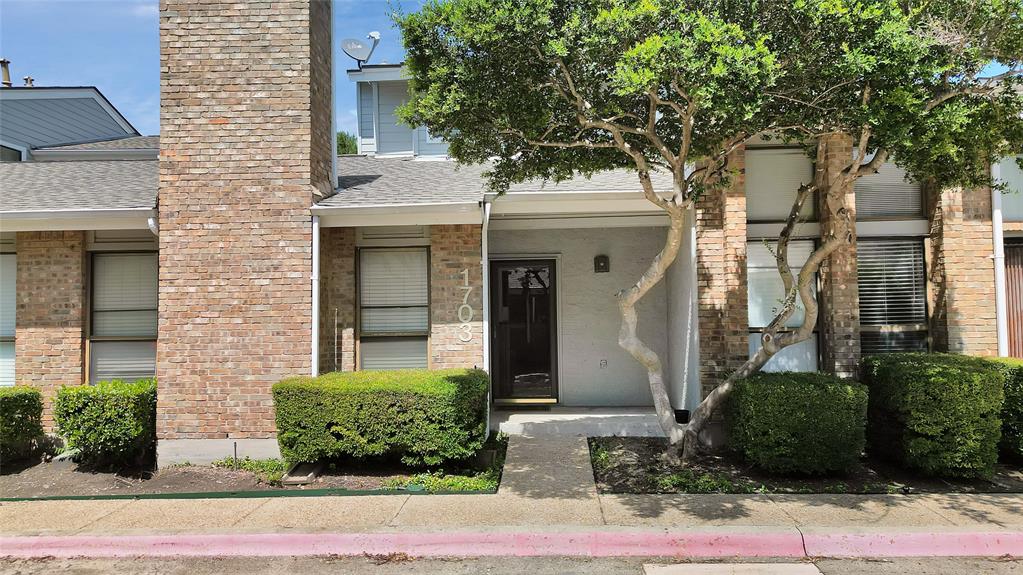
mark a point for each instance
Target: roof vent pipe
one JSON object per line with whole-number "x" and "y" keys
{"x": 29, "y": 81}
{"x": 5, "y": 65}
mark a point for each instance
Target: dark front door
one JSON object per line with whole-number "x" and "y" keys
{"x": 522, "y": 311}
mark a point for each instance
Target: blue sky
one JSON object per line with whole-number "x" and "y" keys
{"x": 115, "y": 46}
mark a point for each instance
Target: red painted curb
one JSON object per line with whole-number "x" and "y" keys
{"x": 454, "y": 544}
{"x": 694, "y": 544}
{"x": 908, "y": 544}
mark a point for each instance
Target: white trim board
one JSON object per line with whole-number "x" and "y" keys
{"x": 399, "y": 215}
{"x": 579, "y": 221}
{"x": 60, "y": 220}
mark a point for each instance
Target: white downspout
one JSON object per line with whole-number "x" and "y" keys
{"x": 1001, "y": 319}
{"x": 486, "y": 304}
{"x": 315, "y": 279}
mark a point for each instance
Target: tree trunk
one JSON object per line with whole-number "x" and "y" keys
{"x": 776, "y": 336}
{"x": 629, "y": 340}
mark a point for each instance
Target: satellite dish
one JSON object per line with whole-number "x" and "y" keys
{"x": 358, "y": 50}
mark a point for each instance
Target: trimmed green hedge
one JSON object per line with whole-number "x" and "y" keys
{"x": 809, "y": 423}
{"x": 112, "y": 422}
{"x": 422, "y": 416}
{"x": 21, "y": 414}
{"x": 1012, "y": 409}
{"x": 938, "y": 413}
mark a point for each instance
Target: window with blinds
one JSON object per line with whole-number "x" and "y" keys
{"x": 124, "y": 316}
{"x": 893, "y": 296}
{"x": 888, "y": 194}
{"x": 8, "y": 304}
{"x": 394, "y": 301}
{"x": 773, "y": 177}
{"x": 765, "y": 295}
{"x": 1012, "y": 199}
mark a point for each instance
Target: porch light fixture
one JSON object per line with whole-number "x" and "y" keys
{"x": 601, "y": 264}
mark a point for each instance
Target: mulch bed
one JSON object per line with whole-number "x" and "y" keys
{"x": 65, "y": 478}
{"x": 640, "y": 465}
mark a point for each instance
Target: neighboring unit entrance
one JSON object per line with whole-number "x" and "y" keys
{"x": 1014, "y": 296}
{"x": 522, "y": 310}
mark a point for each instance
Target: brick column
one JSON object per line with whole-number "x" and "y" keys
{"x": 839, "y": 298}
{"x": 337, "y": 299}
{"x": 456, "y": 250}
{"x": 961, "y": 272}
{"x": 721, "y": 277}
{"x": 50, "y": 314}
{"x": 245, "y": 151}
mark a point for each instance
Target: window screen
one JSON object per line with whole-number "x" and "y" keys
{"x": 766, "y": 292}
{"x": 888, "y": 194}
{"x": 772, "y": 179}
{"x": 8, "y": 304}
{"x": 893, "y": 297}
{"x": 394, "y": 307}
{"x": 124, "y": 316}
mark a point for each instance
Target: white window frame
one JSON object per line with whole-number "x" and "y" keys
{"x": 10, "y": 339}
{"x": 94, "y": 339}
{"x": 757, "y": 331}
{"x": 363, "y": 337}
{"x": 922, "y": 327}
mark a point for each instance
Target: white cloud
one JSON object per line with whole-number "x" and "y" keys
{"x": 145, "y": 10}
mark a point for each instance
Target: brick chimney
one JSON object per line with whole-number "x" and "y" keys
{"x": 245, "y": 150}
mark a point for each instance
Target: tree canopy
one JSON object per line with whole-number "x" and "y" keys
{"x": 552, "y": 89}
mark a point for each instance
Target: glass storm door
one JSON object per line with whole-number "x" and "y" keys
{"x": 522, "y": 310}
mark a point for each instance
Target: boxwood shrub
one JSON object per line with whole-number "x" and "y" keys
{"x": 112, "y": 422}
{"x": 1012, "y": 409}
{"x": 422, "y": 416}
{"x": 937, "y": 413}
{"x": 808, "y": 423}
{"x": 21, "y": 412}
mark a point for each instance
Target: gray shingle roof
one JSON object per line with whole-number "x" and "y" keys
{"x": 129, "y": 143}
{"x": 369, "y": 181}
{"x": 95, "y": 185}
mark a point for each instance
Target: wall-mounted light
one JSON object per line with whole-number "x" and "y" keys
{"x": 601, "y": 264}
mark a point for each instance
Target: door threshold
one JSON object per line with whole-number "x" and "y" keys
{"x": 548, "y": 401}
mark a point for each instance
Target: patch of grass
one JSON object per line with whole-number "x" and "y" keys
{"x": 689, "y": 481}
{"x": 600, "y": 456}
{"x": 267, "y": 470}
{"x": 434, "y": 481}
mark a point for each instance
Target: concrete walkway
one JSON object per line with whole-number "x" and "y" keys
{"x": 547, "y": 491}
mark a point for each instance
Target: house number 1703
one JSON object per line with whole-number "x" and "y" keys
{"x": 465, "y": 312}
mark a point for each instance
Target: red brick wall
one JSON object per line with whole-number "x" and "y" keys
{"x": 455, "y": 248}
{"x": 50, "y": 315}
{"x": 337, "y": 299}
{"x": 839, "y": 298}
{"x": 240, "y": 164}
{"x": 721, "y": 278}
{"x": 961, "y": 272}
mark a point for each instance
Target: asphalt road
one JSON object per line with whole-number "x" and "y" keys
{"x": 496, "y": 566}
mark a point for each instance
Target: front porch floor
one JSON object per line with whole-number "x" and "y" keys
{"x": 561, "y": 421}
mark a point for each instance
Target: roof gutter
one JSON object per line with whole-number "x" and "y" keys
{"x": 399, "y": 214}
{"x": 87, "y": 155}
{"x": 64, "y": 220}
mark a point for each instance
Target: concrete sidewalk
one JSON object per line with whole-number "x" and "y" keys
{"x": 547, "y": 488}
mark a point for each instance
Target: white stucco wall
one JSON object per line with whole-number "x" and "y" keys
{"x": 588, "y": 313}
